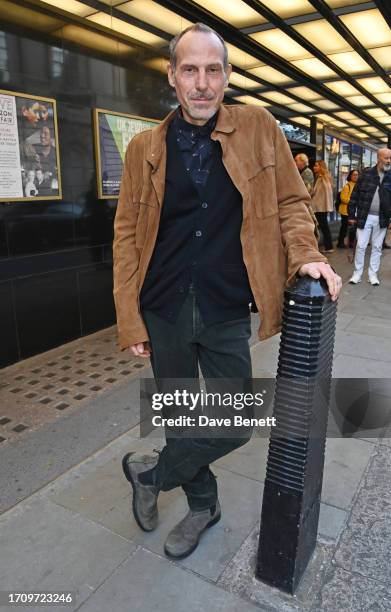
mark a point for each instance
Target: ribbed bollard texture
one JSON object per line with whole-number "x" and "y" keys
{"x": 293, "y": 484}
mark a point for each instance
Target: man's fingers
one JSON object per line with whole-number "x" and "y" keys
{"x": 142, "y": 349}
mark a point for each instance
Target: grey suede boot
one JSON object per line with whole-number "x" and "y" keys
{"x": 184, "y": 538}
{"x": 144, "y": 496}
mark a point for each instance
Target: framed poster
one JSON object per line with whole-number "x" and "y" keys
{"x": 29, "y": 155}
{"x": 113, "y": 132}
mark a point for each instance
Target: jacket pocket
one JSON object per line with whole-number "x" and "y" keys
{"x": 263, "y": 192}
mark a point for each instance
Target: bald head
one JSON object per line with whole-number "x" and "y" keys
{"x": 384, "y": 159}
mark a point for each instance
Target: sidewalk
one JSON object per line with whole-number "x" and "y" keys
{"x": 77, "y": 533}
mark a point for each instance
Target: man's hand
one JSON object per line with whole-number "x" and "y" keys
{"x": 318, "y": 269}
{"x": 142, "y": 349}
{"x": 352, "y": 222}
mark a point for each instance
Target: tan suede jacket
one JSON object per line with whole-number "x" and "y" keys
{"x": 277, "y": 232}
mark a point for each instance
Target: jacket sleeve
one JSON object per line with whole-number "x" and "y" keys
{"x": 126, "y": 257}
{"x": 354, "y": 199}
{"x": 297, "y": 226}
{"x": 345, "y": 194}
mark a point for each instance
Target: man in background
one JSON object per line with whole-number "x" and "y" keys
{"x": 302, "y": 163}
{"x": 370, "y": 210}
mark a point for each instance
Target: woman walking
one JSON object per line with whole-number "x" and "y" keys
{"x": 343, "y": 207}
{"x": 322, "y": 202}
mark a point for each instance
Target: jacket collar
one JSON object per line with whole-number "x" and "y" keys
{"x": 158, "y": 134}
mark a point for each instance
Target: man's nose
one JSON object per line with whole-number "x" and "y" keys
{"x": 201, "y": 82}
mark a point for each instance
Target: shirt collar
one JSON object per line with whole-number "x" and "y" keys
{"x": 197, "y": 130}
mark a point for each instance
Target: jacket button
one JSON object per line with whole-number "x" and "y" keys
{"x": 204, "y": 205}
{"x": 198, "y": 233}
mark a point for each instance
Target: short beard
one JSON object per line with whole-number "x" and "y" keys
{"x": 203, "y": 115}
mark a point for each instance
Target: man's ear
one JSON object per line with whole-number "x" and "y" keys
{"x": 171, "y": 75}
{"x": 227, "y": 75}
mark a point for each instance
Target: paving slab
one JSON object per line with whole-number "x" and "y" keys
{"x": 347, "y": 366}
{"x": 146, "y": 583}
{"x": 370, "y": 307}
{"x": 344, "y": 319}
{"x": 45, "y": 547}
{"x": 105, "y": 496}
{"x": 364, "y": 546}
{"x": 354, "y": 343}
{"x": 369, "y": 326}
{"x": 352, "y": 593}
{"x": 239, "y": 578}
{"x": 345, "y": 463}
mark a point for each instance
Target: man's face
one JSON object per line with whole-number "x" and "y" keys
{"x": 45, "y": 136}
{"x": 300, "y": 163}
{"x": 384, "y": 160}
{"x": 199, "y": 77}
{"x": 39, "y": 175}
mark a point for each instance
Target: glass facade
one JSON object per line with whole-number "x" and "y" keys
{"x": 342, "y": 156}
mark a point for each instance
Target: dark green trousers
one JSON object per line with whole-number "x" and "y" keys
{"x": 178, "y": 350}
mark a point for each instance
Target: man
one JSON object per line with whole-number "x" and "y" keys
{"x": 211, "y": 215}
{"x": 370, "y": 209}
{"x": 302, "y": 163}
{"x": 41, "y": 184}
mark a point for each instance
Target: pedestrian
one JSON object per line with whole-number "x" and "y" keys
{"x": 211, "y": 215}
{"x": 303, "y": 166}
{"x": 322, "y": 202}
{"x": 343, "y": 207}
{"x": 370, "y": 210}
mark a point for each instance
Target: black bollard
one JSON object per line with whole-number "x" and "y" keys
{"x": 293, "y": 484}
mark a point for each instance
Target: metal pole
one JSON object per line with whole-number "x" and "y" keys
{"x": 293, "y": 485}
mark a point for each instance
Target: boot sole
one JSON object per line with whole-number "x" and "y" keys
{"x": 192, "y": 549}
{"x": 129, "y": 478}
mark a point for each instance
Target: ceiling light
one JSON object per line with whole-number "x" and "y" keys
{"x": 242, "y": 81}
{"x": 289, "y": 8}
{"x": 72, "y": 6}
{"x": 94, "y": 40}
{"x": 156, "y": 15}
{"x": 301, "y": 108}
{"x": 369, "y": 27}
{"x": 383, "y": 56}
{"x": 278, "y": 97}
{"x": 277, "y": 41}
{"x": 326, "y": 104}
{"x": 376, "y": 112}
{"x": 157, "y": 63}
{"x": 251, "y": 100}
{"x": 351, "y": 62}
{"x": 342, "y": 88}
{"x": 323, "y": 117}
{"x": 345, "y": 115}
{"x": 374, "y": 85}
{"x": 117, "y": 25}
{"x": 267, "y": 73}
{"x": 385, "y": 98}
{"x": 314, "y": 67}
{"x": 322, "y": 34}
{"x": 234, "y": 12}
{"x": 359, "y": 100}
{"x": 304, "y": 92}
{"x": 240, "y": 58}
{"x": 303, "y": 120}
{"x": 358, "y": 122}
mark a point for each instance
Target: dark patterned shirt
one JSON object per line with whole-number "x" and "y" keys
{"x": 196, "y": 146}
